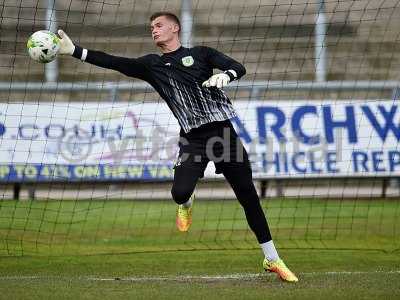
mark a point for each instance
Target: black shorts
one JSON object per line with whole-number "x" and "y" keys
{"x": 216, "y": 142}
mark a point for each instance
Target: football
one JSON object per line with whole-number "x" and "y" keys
{"x": 43, "y": 46}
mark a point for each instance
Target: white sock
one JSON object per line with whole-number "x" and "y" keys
{"x": 188, "y": 203}
{"x": 270, "y": 251}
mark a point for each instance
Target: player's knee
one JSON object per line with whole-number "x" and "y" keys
{"x": 247, "y": 195}
{"x": 181, "y": 194}
{"x": 246, "y": 190}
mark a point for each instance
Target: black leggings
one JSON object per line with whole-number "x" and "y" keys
{"x": 239, "y": 176}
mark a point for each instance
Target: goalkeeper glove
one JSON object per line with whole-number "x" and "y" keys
{"x": 220, "y": 80}
{"x": 66, "y": 45}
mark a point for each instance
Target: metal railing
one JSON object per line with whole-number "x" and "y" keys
{"x": 254, "y": 87}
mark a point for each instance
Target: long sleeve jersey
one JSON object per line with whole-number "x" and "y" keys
{"x": 178, "y": 76}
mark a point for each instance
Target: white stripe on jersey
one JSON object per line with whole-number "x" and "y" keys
{"x": 195, "y": 107}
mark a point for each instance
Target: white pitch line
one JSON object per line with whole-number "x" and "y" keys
{"x": 185, "y": 277}
{"x": 238, "y": 276}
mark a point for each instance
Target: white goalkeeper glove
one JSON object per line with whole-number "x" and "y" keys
{"x": 219, "y": 80}
{"x": 66, "y": 45}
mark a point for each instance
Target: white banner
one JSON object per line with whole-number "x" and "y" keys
{"x": 128, "y": 141}
{"x": 321, "y": 138}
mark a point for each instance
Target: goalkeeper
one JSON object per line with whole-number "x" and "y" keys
{"x": 184, "y": 79}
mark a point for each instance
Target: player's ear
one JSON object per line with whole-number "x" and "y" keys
{"x": 175, "y": 28}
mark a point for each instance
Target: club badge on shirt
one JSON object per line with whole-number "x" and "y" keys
{"x": 187, "y": 61}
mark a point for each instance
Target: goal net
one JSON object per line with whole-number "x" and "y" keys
{"x": 86, "y": 153}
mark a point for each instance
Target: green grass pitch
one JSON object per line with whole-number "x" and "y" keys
{"x": 110, "y": 249}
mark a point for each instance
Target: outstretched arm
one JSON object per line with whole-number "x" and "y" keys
{"x": 133, "y": 67}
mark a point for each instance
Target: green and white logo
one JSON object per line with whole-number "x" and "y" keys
{"x": 187, "y": 61}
